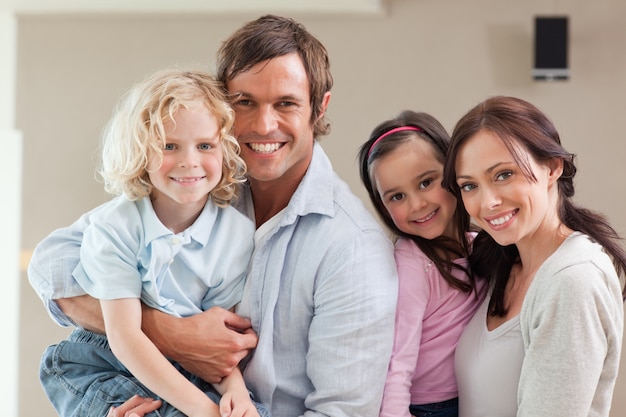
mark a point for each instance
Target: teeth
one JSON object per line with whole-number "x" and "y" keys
{"x": 430, "y": 216}
{"x": 186, "y": 179}
{"x": 264, "y": 147}
{"x": 501, "y": 220}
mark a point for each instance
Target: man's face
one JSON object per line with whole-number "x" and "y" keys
{"x": 273, "y": 119}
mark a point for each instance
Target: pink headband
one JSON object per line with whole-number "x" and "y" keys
{"x": 389, "y": 132}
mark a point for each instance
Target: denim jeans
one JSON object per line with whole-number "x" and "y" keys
{"x": 82, "y": 377}
{"x": 448, "y": 408}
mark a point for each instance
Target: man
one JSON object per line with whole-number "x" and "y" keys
{"x": 322, "y": 286}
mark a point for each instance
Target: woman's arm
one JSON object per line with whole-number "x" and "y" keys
{"x": 572, "y": 327}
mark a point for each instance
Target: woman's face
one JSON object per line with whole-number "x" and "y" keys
{"x": 496, "y": 192}
{"x": 408, "y": 181}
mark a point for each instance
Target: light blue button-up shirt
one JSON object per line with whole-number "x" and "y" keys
{"x": 127, "y": 252}
{"x": 321, "y": 292}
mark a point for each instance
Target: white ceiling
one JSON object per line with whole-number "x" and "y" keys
{"x": 187, "y": 6}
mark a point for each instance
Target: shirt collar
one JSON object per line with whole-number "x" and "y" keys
{"x": 315, "y": 192}
{"x": 199, "y": 231}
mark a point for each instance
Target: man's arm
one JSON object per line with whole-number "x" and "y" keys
{"x": 50, "y": 273}
{"x": 351, "y": 334}
{"x": 84, "y": 310}
{"x": 209, "y": 345}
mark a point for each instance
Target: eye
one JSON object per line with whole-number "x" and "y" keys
{"x": 244, "y": 102}
{"x": 503, "y": 175}
{"x": 205, "y": 146}
{"x": 467, "y": 186}
{"x": 169, "y": 147}
{"x": 425, "y": 184}
{"x": 286, "y": 104}
{"x": 396, "y": 197}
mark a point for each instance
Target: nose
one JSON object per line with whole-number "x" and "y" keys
{"x": 265, "y": 120}
{"x": 417, "y": 202}
{"x": 490, "y": 198}
{"x": 188, "y": 158}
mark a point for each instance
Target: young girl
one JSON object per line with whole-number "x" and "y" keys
{"x": 401, "y": 166}
{"x": 547, "y": 340}
{"x": 170, "y": 240}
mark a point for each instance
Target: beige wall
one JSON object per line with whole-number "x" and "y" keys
{"x": 437, "y": 56}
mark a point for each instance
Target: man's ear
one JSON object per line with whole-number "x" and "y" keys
{"x": 324, "y": 105}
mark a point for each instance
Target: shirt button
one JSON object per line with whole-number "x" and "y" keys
{"x": 175, "y": 241}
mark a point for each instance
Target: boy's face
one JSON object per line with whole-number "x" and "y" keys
{"x": 192, "y": 160}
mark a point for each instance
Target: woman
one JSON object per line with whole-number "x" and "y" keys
{"x": 547, "y": 339}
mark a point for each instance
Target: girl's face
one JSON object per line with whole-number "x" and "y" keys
{"x": 408, "y": 181}
{"x": 497, "y": 194}
{"x": 192, "y": 160}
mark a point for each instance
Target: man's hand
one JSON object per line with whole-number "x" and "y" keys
{"x": 209, "y": 345}
{"x": 135, "y": 407}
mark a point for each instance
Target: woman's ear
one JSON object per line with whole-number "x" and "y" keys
{"x": 555, "y": 166}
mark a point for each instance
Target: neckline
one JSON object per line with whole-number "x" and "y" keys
{"x": 510, "y": 323}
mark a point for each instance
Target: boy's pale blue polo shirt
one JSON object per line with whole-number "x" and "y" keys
{"x": 128, "y": 253}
